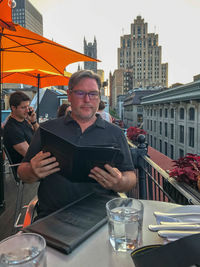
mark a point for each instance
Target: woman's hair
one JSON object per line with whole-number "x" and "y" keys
{"x": 62, "y": 110}
{"x": 101, "y": 105}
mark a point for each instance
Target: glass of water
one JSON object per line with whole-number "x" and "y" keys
{"x": 125, "y": 218}
{"x": 23, "y": 250}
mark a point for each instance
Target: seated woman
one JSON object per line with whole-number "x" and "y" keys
{"x": 63, "y": 109}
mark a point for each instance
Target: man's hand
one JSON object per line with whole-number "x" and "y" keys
{"x": 113, "y": 179}
{"x": 43, "y": 165}
{"x": 31, "y": 114}
{"x": 110, "y": 179}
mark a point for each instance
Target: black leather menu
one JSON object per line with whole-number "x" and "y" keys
{"x": 66, "y": 228}
{"x": 77, "y": 161}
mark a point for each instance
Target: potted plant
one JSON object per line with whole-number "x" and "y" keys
{"x": 133, "y": 132}
{"x": 187, "y": 169}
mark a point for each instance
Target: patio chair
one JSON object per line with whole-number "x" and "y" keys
{"x": 20, "y": 188}
{"x": 30, "y": 212}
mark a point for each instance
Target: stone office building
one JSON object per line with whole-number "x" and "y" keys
{"x": 141, "y": 56}
{"x": 172, "y": 120}
{"x": 139, "y": 62}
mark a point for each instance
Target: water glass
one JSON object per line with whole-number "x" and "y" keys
{"x": 23, "y": 250}
{"x": 125, "y": 218}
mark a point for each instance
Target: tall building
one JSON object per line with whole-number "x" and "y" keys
{"x": 27, "y": 16}
{"x": 90, "y": 49}
{"x": 140, "y": 56}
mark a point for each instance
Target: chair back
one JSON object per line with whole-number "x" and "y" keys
{"x": 13, "y": 167}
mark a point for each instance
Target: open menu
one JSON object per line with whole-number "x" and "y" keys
{"x": 75, "y": 162}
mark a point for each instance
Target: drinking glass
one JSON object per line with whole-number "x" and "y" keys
{"x": 23, "y": 250}
{"x": 125, "y": 218}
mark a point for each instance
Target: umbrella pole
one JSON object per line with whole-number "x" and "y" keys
{"x": 2, "y": 202}
{"x": 38, "y": 98}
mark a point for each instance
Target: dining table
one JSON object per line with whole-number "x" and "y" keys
{"x": 96, "y": 251}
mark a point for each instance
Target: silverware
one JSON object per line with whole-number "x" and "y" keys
{"x": 176, "y": 234}
{"x": 181, "y": 223}
{"x": 193, "y": 214}
{"x": 174, "y": 226}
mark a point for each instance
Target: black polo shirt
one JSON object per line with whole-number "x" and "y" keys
{"x": 16, "y": 132}
{"x": 55, "y": 191}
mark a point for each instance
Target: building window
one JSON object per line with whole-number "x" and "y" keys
{"x": 191, "y": 114}
{"x": 155, "y": 142}
{"x": 191, "y": 136}
{"x": 181, "y": 153}
{"x": 160, "y": 127}
{"x": 161, "y": 146}
{"x": 147, "y": 124}
{"x": 151, "y": 112}
{"x": 154, "y": 112}
{"x": 181, "y": 134}
{"x": 166, "y": 130}
{"x": 172, "y": 113}
{"x": 155, "y": 126}
{"x": 166, "y": 148}
{"x": 171, "y": 151}
{"x": 148, "y": 138}
{"x": 151, "y": 140}
{"x": 166, "y": 112}
{"x": 160, "y": 113}
{"x": 151, "y": 125}
{"x": 172, "y": 131}
{"x": 182, "y": 113}
{"x": 147, "y": 112}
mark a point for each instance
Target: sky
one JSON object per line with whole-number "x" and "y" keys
{"x": 176, "y": 22}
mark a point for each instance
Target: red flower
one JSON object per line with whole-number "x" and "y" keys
{"x": 133, "y": 132}
{"x": 187, "y": 169}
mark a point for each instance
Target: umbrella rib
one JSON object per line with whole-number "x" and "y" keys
{"x": 18, "y": 46}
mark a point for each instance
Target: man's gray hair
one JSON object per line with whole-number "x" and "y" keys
{"x": 79, "y": 75}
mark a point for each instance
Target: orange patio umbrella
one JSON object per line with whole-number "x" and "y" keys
{"x": 37, "y": 78}
{"x": 24, "y": 49}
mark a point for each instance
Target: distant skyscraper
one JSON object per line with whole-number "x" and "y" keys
{"x": 90, "y": 49}
{"x": 140, "y": 56}
{"x": 28, "y": 16}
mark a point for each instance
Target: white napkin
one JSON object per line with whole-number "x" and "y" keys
{"x": 180, "y": 221}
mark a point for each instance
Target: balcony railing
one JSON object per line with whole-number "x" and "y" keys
{"x": 154, "y": 183}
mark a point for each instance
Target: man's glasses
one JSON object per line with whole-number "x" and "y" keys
{"x": 81, "y": 94}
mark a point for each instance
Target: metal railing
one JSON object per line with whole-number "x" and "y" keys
{"x": 154, "y": 183}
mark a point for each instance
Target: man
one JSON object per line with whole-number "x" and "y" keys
{"x": 20, "y": 126}
{"x": 105, "y": 115}
{"x": 82, "y": 127}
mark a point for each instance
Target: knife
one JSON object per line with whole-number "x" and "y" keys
{"x": 181, "y": 223}
{"x": 174, "y": 226}
{"x": 176, "y": 234}
{"x": 193, "y": 214}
